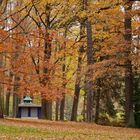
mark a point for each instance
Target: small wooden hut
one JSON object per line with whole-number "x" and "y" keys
{"x": 26, "y": 109}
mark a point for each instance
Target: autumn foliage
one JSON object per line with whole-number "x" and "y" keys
{"x": 84, "y": 50}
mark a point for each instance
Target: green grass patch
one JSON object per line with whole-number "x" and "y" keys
{"x": 19, "y": 132}
{"x": 14, "y": 133}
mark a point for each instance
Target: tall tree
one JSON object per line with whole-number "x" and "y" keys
{"x": 62, "y": 102}
{"x": 89, "y": 74}
{"x": 78, "y": 74}
{"x": 128, "y": 69}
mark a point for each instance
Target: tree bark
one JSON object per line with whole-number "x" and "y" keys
{"x": 49, "y": 110}
{"x": 98, "y": 93}
{"x": 16, "y": 101}
{"x": 1, "y": 91}
{"x": 75, "y": 102}
{"x": 57, "y": 111}
{"x": 62, "y": 109}
{"x": 7, "y": 103}
{"x": 46, "y": 108}
{"x": 129, "y": 114}
{"x": 109, "y": 104}
{"x": 15, "y": 105}
{"x": 89, "y": 74}
{"x": 137, "y": 99}
{"x": 78, "y": 77}
{"x": 1, "y": 103}
{"x": 62, "y": 104}
{"x": 47, "y": 105}
{"x": 43, "y": 108}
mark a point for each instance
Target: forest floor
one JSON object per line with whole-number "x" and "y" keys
{"x": 19, "y": 129}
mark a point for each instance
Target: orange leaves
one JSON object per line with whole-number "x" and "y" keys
{"x": 49, "y": 37}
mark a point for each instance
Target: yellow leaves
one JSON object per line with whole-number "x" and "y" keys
{"x": 26, "y": 2}
{"x": 82, "y": 14}
{"x": 60, "y": 20}
{"x": 102, "y": 36}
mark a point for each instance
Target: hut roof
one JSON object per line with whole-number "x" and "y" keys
{"x": 27, "y": 98}
{"x": 28, "y": 105}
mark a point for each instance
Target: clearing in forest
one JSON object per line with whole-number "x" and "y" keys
{"x": 16, "y": 129}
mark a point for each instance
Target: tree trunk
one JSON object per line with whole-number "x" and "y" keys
{"x": 49, "y": 110}
{"x": 109, "y": 104}
{"x": 47, "y": 105}
{"x": 57, "y": 111}
{"x": 62, "y": 104}
{"x": 43, "y": 108}
{"x": 129, "y": 114}
{"x": 137, "y": 99}
{"x": 84, "y": 107}
{"x": 1, "y": 103}
{"x": 75, "y": 103}
{"x": 15, "y": 105}
{"x": 46, "y": 109}
{"x": 89, "y": 74}
{"x": 97, "y": 105}
{"x": 78, "y": 77}
{"x": 1, "y": 91}
{"x": 16, "y": 99}
{"x": 7, "y": 103}
{"x": 62, "y": 108}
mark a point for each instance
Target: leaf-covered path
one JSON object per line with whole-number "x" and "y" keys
{"x": 16, "y": 129}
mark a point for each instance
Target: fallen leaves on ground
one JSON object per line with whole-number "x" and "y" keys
{"x": 19, "y": 129}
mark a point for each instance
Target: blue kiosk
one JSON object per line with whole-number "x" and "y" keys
{"x": 27, "y": 109}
